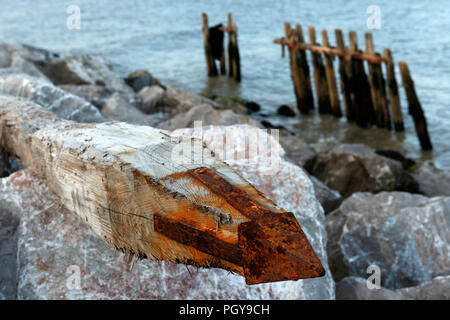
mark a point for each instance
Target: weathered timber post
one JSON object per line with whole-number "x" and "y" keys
{"x": 345, "y": 86}
{"x": 377, "y": 88}
{"x": 360, "y": 89}
{"x": 123, "y": 182}
{"x": 302, "y": 63}
{"x": 394, "y": 97}
{"x": 230, "y": 45}
{"x": 295, "y": 63}
{"x": 234, "y": 62}
{"x": 320, "y": 77}
{"x": 414, "y": 108}
{"x": 331, "y": 79}
{"x": 210, "y": 65}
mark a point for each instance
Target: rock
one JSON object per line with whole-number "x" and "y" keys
{"x": 407, "y": 236}
{"x": 436, "y": 289}
{"x": 97, "y": 95}
{"x": 208, "y": 116}
{"x": 116, "y": 108}
{"x": 177, "y": 101}
{"x": 354, "y": 288}
{"x": 45, "y": 94}
{"x": 152, "y": 99}
{"x": 432, "y": 181}
{"x": 9, "y": 222}
{"x": 13, "y": 165}
{"x": 328, "y": 198}
{"x": 140, "y": 79}
{"x": 83, "y": 69}
{"x": 55, "y": 246}
{"x": 286, "y": 111}
{"x": 297, "y": 151}
{"x": 394, "y": 155}
{"x": 34, "y": 55}
{"x": 252, "y": 106}
{"x": 350, "y": 168}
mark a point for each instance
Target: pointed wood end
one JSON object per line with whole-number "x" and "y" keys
{"x": 274, "y": 248}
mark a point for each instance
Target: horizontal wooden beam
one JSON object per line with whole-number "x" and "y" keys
{"x": 331, "y": 51}
{"x": 135, "y": 189}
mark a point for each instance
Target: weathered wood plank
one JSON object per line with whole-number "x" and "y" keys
{"x": 415, "y": 108}
{"x": 137, "y": 191}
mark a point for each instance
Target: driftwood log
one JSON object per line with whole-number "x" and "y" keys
{"x": 124, "y": 182}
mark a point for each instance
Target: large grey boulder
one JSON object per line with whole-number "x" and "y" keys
{"x": 407, "y": 236}
{"x": 178, "y": 101}
{"x": 98, "y": 95}
{"x": 83, "y": 69}
{"x": 54, "y": 246}
{"x": 350, "y": 168}
{"x": 436, "y": 289}
{"x": 355, "y": 288}
{"x": 432, "y": 181}
{"x": 206, "y": 115}
{"x": 117, "y": 108}
{"x": 52, "y": 98}
{"x": 152, "y": 99}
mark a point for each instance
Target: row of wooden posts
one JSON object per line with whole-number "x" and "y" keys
{"x": 369, "y": 100}
{"x": 234, "y": 66}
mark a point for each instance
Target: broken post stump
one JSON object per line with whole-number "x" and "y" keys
{"x": 297, "y": 72}
{"x": 331, "y": 79}
{"x": 302, "y": 64}
{"x": 234, "y": 60}
{"x": 345, "y": 86}
{"x": 394, "y": 98}
{"x": 381, "y": 115}
{"x": 360, "y": 95}
{"x": 210, "y": 64}
{"x": 320, "y": 78}
{"x": 135, "y": 189}
{"x": 415, "y": 108}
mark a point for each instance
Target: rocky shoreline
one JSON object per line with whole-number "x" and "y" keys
{"x": 358, "y": 206}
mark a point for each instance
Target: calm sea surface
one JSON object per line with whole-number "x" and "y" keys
{"x": 165, "y": 38}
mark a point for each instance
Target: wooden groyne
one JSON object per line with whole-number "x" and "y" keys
{"x": 369, "y": 94}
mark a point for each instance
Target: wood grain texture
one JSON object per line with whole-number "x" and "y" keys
{"x": 138, "y": 189}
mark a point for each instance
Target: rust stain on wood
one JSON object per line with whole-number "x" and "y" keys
{"x": 271, "y": 247}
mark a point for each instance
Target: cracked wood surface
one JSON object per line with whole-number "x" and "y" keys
{"x": 132, "y": 186}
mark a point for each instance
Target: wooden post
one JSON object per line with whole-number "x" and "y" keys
{"x": 360, "y": 90}
{"x": 297, "y": 72}
{"x": 414, "y": 108}
{"x": 394, "y": 97}
{"x": 124, "y": 183}
{"x": 331, "y": 79}
{"x": 210, "y": 64}
{"x": 345, "y": 86}
{"x": 236, "y": 56}
{"x": 377, "y": 88}
{"x": 234, "y": 62}
{"x": 320, "y": 77}
{"x": 302, "y": 63}
{"x": 230, "y": 45}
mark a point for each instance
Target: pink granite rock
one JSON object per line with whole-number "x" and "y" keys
{"x": 60, "y": 258}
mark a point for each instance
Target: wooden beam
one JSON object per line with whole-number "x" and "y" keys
{"x": 394, "y": 98}
{"x": 358, "y": 55}
{"x": 131, "y": 185}
{"x": 320, "y": 78}
{"x": 415, "y": 108}
{"x": 331, "y": 79}
{"x": 210, "y": 64}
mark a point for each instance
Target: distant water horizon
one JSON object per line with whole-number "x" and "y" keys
{"x": 165, "y": 38}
